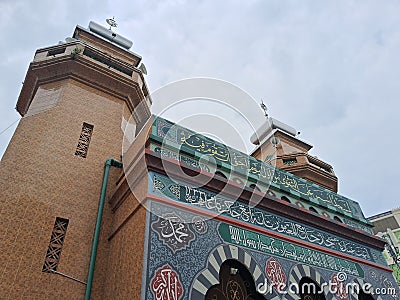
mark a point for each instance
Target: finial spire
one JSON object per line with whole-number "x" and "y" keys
{"x": 264, "y": 108}
{"x": 111, "y": 22}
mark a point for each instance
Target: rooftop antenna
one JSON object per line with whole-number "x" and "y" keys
{"x": 264, "y": 108}
{"x": 111, "y": 22}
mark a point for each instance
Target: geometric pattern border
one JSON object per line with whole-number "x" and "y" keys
{"x": 210, "y": 276}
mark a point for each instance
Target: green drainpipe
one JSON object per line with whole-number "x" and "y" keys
{"x": 111, "y": 162}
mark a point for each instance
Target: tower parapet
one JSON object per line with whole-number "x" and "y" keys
{"x": 92, "y": 60}
{"x": 279, "y": 142}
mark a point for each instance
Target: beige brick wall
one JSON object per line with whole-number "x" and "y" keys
{"x": 41, "y": 178}
{"x": 124, "y": 268}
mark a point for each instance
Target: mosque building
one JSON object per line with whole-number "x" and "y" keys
{"x": 172, "y": 214}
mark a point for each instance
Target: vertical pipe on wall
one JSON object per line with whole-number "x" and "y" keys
{"x": 111, "y": 162}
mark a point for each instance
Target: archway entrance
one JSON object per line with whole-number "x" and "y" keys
{"x": 235, "y": 283}
{"x": 310, "y": 290}
{"x": 364, "y": 296}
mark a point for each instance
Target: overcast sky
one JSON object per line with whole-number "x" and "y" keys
{"x": 331, "y": 69}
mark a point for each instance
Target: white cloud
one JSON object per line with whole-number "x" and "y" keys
{"x": 330, "y": 69}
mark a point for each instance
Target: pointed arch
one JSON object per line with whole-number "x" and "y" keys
{"x": 235, "y": 282}
{"x": 361, "y": 283}
{"x": 300, "y": 271}
{"x": 210, "y": 275}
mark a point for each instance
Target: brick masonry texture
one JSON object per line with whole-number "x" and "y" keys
{"x": 41, "y": 178}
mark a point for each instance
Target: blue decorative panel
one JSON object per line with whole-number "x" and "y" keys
{"x": 184, "y": 254}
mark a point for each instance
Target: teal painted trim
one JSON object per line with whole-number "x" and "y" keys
{"x": 173, "y": 147}
{"x": 146, "y": 251}
{"x": 111, "y": 162}
{"x": 166, "y": 144}
{"x": 324, "y": 205}
{"x": 312, "y": 200}
{"x": 166, "y": 150}
{"x": 258, "y": 171}
{"x": 294, "y": 193}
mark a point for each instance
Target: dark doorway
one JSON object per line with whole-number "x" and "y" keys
{"x": 364, "y": 296}
{"x": 310, "y": 290}
{"x": 235, "y": 283}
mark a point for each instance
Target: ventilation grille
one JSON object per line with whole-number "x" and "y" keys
{"x": 56, "y": 242}
{"x": 84, "y": 140}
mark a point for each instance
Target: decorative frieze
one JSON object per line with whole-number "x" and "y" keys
{"x": 277, "y": 247}
{"x": 197, "y": 145}
{"x": 236, "y": 210}
{"x": 169, "y": 154}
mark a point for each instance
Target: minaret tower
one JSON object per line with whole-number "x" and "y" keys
{"x": 279, "y": 142}
{"x": 75, "y": 104}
